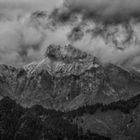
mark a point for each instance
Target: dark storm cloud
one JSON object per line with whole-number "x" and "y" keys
{"x": 107, "y": 11}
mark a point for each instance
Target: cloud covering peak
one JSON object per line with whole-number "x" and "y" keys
{"x": 107, "y": 29}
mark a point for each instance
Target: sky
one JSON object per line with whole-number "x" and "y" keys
{"x": 27, "y": 5}
{"x": 108, "y": 29}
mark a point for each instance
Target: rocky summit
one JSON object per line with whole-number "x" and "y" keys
{"x": 100, "y": 100}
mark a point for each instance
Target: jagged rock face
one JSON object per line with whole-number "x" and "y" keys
{"x": 68, "y": 54}
{"x": 68, "y": 79}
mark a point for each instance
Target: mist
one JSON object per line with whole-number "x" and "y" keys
{"x": 109, "y": 30}
{"x": 19, "y": 42}
{"x": 21, "y": 32}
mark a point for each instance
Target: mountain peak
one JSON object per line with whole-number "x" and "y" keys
{"x": 64, "y": 61}
{"x": 68, "y": 54}
{"x": 68, "y": 78}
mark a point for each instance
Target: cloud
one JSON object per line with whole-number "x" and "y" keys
{"x": 20, "y": 42}
{"x": 115, "y": 44}
{"x": 107, "y": 11}
{"x": 107, "y": 29}
{"x": 22, "y": 34}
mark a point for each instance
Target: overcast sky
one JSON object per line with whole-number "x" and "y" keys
{"x": 27, "y": 5}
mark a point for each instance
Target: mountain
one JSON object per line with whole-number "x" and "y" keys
{"x": 68, "y": 79}
{"x": 102, "y": 100}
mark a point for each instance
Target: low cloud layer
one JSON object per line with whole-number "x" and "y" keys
{"x": 20, "y": 41}
{"x": 107, "y": 29}
{"x": 21, "y": 33}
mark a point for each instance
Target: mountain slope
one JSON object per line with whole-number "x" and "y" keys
{"x": 68, "y": 79}
{"x": 102, "y": 101}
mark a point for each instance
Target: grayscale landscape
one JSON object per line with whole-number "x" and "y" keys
{"x": 69, "y": 70}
